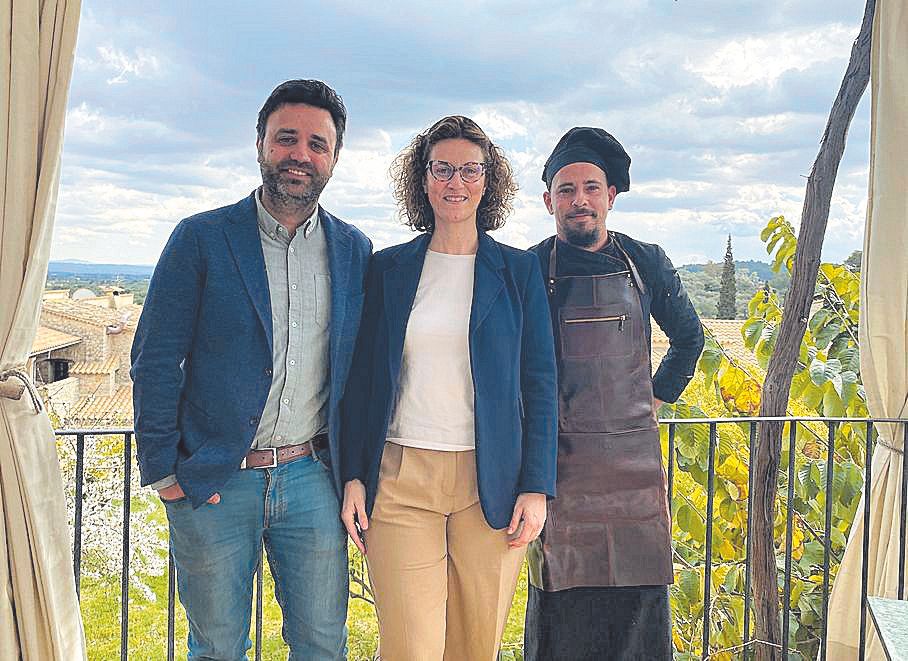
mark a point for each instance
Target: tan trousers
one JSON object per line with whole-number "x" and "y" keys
{"x": 443, "y": 579}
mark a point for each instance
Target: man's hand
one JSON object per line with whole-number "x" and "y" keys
{"x": 530, "y": 510}
{"x": 353, "y": 513}
{"x": 175, "y": 492}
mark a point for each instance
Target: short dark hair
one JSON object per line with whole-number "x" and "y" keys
{"x": 311, "y": 92}
{"x": 408, "y": 173}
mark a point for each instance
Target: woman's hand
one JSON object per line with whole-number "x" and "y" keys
{"x": 529, "y": 508}
{"x": 353, "y": 512}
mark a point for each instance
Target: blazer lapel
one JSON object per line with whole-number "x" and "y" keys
{"x": 399, "y": 285}
{"x": 339, "y": 245}
{"x": 243, "y": 238}
{"x": 487, "y": 280}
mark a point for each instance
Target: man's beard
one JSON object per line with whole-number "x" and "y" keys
{"x": 582, "y": 237}
{"x": 300, "y": 197}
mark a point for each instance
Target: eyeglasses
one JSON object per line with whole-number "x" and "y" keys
{"x": 469, "y": 172}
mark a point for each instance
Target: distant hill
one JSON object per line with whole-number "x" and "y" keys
{"x": 702, "y": 282}
{"x": 763, "y": 270}
{"x": 98, "y": 271}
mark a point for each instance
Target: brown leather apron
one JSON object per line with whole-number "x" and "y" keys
{"x": 609, "y": 524}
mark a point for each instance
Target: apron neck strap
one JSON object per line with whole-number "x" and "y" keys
{"x": 641, "y": 287}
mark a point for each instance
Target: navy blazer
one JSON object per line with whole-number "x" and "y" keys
{"x": 512, "y": 358}
{"x": 202, "y": 359}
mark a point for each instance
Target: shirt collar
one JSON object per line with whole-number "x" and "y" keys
{"x": 272, "y": 228}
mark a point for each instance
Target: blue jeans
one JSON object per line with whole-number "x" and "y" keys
{"x": 293, "y": 508}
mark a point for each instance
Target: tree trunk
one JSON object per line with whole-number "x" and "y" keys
{"x": 794, "y": 322}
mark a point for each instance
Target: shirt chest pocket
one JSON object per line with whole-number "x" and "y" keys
{"x": 322, "y": 300}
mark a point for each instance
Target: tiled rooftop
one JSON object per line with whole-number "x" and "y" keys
{"x": 48, "y": 339}
{"x": 93, "y": 314}
{"x": 96, "y": 367}
{"x": 93, "y": 411}
{"x": 727, "y": 333}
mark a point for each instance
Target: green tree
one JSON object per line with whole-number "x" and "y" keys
{"x": 725, "y": 308}
{"x": 826, "y": 383}
{"x": 853, "y": 261}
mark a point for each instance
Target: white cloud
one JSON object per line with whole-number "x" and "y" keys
{"x": 86, "y": 124}
{"x": 762, "y": 60}
{"x": 142, "y": 64}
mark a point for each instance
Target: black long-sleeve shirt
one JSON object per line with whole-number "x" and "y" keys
{"x": 665, "y": 299}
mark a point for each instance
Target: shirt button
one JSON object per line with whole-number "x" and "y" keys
{"x": 292, "y": 249}
{"x": 294, "y": 324}
{"x": 286, "y": 401}
{"x": 293, "y": 362}
{"x": 253, "y": 421}
{"x": 278, "y": 438}
{"x": 293, "y": 286}
{"x": 267, "y": 371}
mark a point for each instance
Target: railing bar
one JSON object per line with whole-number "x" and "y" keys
{"x": 671, "y": 466}
{"x": 707, "y": 576}
{"x": 827, "y": 531}
{"x": 688, "y": 421}
{"x": 903, "y": 512}
{"x": 171, "y": 606}
{"x": 865, "y": 556}
{"x": 789, "y": 538}
{"x": 124, "y": 570}
{"x": 747, "y": 552}
{"x": 259, "y": 584}
{"x": 77, "y": 506}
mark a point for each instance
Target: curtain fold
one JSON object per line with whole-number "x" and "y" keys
{"x": 883, "y": 335}
{"x": 39, "y": 611}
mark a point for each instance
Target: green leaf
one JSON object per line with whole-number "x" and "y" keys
{"x": 710, "y": 361}
{"x": 818, "y": 320}
{"x": 817, "y": 371}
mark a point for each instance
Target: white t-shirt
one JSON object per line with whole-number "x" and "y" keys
{"x": 434, "y": 407}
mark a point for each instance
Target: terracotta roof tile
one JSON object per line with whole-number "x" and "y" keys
{"x": 48, "y": 339}
{"x": 103, "y": 411}
{"x": 92, "y": 314}
{"x": 96, "y": 367}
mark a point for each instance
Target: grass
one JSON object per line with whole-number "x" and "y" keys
{"x": 147, "y": 637}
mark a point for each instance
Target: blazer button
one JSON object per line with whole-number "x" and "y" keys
{"x": 253, "y": 422}
{"x": 267, "y": 371}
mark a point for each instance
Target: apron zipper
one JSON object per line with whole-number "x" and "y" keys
{"x": 587, "y": 320}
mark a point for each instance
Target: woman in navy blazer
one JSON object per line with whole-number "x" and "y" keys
{"x": 449, "y": 447}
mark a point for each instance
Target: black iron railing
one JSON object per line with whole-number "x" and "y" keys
{"x": 672, "y": 425}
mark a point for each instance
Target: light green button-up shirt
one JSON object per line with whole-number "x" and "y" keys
{"x": 300, "y": 287}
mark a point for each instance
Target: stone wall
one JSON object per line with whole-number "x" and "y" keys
{"x": 94, "y": 345}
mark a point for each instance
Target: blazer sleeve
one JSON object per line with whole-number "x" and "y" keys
{"x": 539, "y": 391}
{"x": 162, "y": 342}
{"x": 676, "y": 316}
{"x": 357, "y": 395}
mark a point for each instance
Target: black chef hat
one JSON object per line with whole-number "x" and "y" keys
{"x": 585, "y": 144}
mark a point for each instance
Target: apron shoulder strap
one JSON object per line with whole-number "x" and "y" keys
{"x": 641, "y": 286}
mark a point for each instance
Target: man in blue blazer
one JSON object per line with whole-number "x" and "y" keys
{"x": 239, "y": 365}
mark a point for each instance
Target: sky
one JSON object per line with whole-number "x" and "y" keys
{"x": 721, "y": 105}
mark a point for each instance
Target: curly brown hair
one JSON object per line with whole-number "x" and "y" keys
{"x": 408, "y": 172}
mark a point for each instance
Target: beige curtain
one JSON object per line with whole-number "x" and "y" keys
{"x": 883, "y": 332}
{"x": 39, "y": 612}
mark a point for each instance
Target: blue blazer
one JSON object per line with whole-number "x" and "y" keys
{"x": 201, "y": 359}
{"x": 513, "y": 363}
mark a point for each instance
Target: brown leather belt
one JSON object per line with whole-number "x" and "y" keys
{"x": 272, "y": 457}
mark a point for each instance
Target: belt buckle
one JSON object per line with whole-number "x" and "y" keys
{"x": 273, "y": 463}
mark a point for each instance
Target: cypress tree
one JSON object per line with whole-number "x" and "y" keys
{"x": 725, "y": 309}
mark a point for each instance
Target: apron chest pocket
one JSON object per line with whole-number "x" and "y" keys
{"x": 587, "y": 332}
